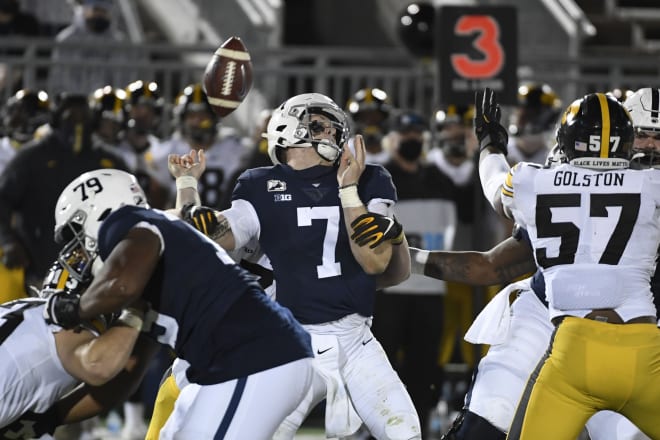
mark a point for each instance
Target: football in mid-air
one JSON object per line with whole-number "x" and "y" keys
{"x": 228, "y": 76}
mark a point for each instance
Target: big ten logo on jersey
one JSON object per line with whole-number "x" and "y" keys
{"x": 210, "y": 184}
{"x": 426, "y": 240}
{"x": 282, "y": 197}
{"x": 278, "y": 186}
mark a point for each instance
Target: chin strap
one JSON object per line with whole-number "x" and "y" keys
{"x": 327, "y": 150}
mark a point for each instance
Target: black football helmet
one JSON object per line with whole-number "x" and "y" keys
{"x": 596, "y": 131}
{"x": 193, "y": 100}
{"x": 24, "y": 112}
{"x": 537, "y": 111}
{"x": 143, "y": 92}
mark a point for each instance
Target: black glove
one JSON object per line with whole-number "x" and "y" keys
{"x": 61, "y": 308}
{"x": 32, "y": 425}
{"x": 487, "y": 125}
{"x": 374, "y": 229}
{"x": 202, "y": 218}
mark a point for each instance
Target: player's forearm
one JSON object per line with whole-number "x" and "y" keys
{"x": 493, "y": 168}
{"x": 223, "y": 234}
{"x": 104, "y": 357}
{"x": 399, "y": 268}
{"x": 461, "y": 267}
{"x": 186, "y": 196}
{"x": 373, "y": 261}
{"x": 89, "y": 401}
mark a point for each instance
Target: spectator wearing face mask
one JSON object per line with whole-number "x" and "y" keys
{"x": 91, "y": 28}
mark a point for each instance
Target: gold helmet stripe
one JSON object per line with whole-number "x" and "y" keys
{"x": 61, "y": 282}
{"x": 605, "y": 129}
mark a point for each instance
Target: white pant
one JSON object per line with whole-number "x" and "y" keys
{"x": 502, "y": 374}
{"x": 375, "y": 390}
{"x": 250, "y": 408}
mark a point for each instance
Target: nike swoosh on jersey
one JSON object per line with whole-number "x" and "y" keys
{"x": 319, "y": 351}
{"x": 367, "y": 341}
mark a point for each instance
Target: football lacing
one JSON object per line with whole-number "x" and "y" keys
{"x": 228, "y": 79}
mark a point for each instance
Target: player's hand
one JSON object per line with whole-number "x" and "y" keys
{"x": 374, "y": 229}
{"x": 202, "y": 218}
{"x": 14, "y": 255}
{"x": 351, "y": 166}
{"x": 191, "y": 164}
{"x": 61, "y": 308}
{"x": 487, "y": 125}
{"x": 32, "y": 425}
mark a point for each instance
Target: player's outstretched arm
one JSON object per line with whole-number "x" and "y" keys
{"x": 373, "y": 229}
{"x": 493, "y": 139}
{"x": 96, "y": 360}
{"x": 508, "y": 260}
{"x": 187, "y": 169}
{"x": 373, "y": 261}
{"x": 399, "y": 268}
{"x": 87, "y": 401}
{"x": 124, "y": 274}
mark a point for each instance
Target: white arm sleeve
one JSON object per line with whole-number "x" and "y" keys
{"x": 244, "y": 222}
{"x": 381, "y": 206}
{"x": 492, "y": 172}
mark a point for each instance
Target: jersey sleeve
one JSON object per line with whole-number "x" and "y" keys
{"x": 376, "y": 185}
{"x": 115, "y": 227}
{"x": 508, "y": 189}
{"x": 242, "y": 188}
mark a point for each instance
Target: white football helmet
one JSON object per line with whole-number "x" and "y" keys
{"x": 82, "y": 207}
{"x": 555, "y": 157}
{"x": 289, "y": 126}
{"x": 644, "y": 109}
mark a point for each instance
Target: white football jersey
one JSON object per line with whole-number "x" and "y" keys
{"x": 595, "y": 234}
{"x": 33, "y": 377}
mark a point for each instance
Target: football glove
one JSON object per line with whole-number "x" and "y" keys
{"x": 374, "y": 229}
{"x": 202, "y": 218}
{"x": 487, "y": 125}
{"x": 61, "y": 308}
{"x": 32, "y": 425}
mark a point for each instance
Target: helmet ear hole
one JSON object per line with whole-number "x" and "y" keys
{"x": 104, "y": 214}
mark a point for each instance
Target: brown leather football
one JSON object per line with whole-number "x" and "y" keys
{"x": 228, "y": 76}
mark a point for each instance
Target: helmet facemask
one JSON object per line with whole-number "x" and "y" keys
{"x": 293, "y": 125}
{"x": 648, "y": 155}
{"x": 78, "y": 254}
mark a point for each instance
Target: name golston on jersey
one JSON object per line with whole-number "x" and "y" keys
{"x": 595, "y": 234}
{"x": 302, "y": 230}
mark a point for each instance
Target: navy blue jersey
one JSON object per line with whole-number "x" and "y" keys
{"x": 213, "y": 313}
{"x": 304, "y": 235}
